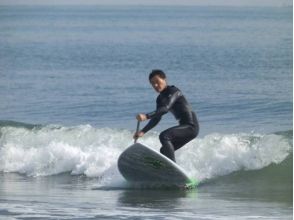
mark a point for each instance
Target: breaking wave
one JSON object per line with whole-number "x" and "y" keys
{"x": 37, "y": 150}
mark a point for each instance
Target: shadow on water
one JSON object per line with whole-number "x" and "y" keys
{"x": 161, "y": 199}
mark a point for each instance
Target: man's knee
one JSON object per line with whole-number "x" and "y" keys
{"x": 164, "y": 136}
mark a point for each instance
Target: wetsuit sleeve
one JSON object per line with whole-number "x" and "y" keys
{"x": 154, "y": 120}
{"x": 151, "y": 124}
{"x": 164, "y": 107}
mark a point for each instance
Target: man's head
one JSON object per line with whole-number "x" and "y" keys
{"x": 157, "y": 79}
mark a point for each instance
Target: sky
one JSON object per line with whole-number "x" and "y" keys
{"x": 151, "y": 2}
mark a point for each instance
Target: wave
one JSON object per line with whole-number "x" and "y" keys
{"x": 44, "y": 150}
{"x": 272, "y": 183}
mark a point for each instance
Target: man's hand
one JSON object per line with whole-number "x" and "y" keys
{"x": 138, "y": 134}
{"x": 141, "y": 117}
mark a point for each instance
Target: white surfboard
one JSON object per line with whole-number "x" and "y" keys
{"x": 141, "y": 164}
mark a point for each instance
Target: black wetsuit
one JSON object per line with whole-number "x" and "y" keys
{"x": 171, "y": 99}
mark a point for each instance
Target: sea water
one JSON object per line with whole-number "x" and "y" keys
{"x": 72, "y": 79}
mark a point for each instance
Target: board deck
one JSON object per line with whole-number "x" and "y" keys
{"x": 141, "y": 164}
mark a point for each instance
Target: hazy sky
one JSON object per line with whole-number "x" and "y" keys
{"x": 151, "y": 2}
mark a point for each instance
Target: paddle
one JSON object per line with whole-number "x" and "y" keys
{"x": 137, "y": 130}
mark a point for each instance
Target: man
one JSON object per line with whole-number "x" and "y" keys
{"x": 171, "y": 99}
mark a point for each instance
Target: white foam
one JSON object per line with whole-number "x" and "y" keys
{"x": 54, "y": 150}
{"x": 94, "y": 152}
{"x": 219, "y": 154}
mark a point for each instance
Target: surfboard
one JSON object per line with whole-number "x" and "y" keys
{"x": 141, "y": 164}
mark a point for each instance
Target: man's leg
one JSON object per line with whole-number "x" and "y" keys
{"x": 176, "y": 137}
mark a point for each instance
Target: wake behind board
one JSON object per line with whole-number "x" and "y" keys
{"x": 141, "y": 164}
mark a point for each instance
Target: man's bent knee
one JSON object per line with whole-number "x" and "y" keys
{"x": 164, "y": 136}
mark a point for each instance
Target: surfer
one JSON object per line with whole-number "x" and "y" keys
{"x": 170, "y": 99}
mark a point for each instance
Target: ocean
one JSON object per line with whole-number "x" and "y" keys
{"x": 73, "y": 78}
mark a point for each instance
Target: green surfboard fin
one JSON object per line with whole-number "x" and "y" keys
{"x": 191, "y": 184}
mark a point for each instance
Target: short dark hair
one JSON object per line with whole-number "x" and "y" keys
{"x": 157, "y": 72}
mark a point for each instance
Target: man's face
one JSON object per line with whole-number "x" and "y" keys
{"x": 158, "y": 83}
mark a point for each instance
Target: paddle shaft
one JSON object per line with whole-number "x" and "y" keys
{"x": 137, "y": 130}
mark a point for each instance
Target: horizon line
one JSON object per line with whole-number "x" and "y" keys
{"x": 143, "y": 4}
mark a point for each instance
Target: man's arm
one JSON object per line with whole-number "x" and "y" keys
{"x": 151, "y": 124}
{"x": 162, "y": 108}
{"x": 165, "y": 107}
